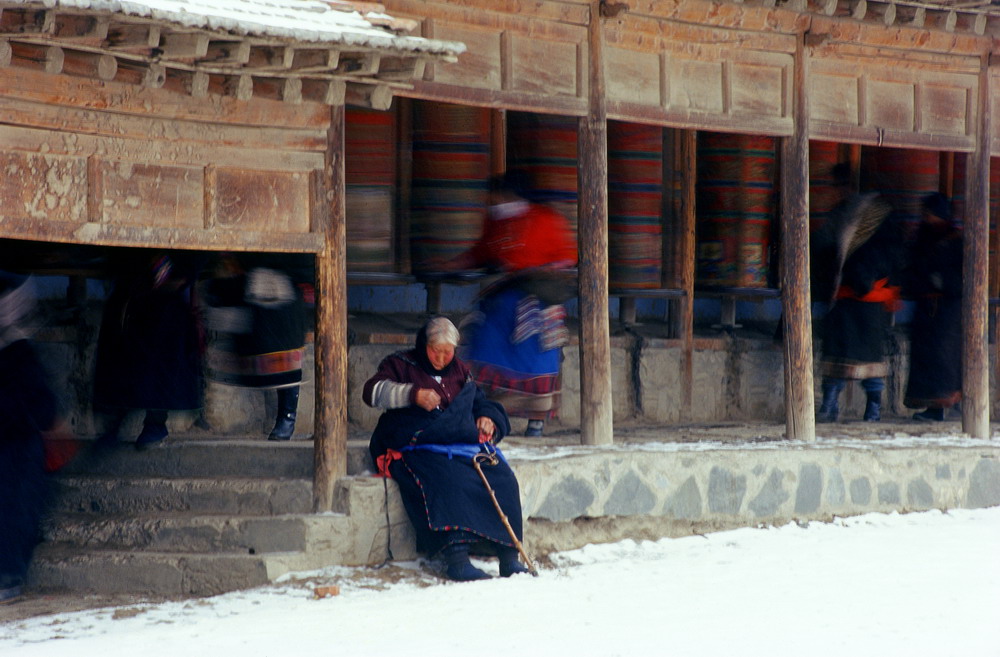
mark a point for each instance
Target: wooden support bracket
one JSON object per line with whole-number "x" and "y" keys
{"x": 328, "y": 92}
{"x": 375, "y": 96}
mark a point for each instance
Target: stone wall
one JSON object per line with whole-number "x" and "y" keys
{"x": 635, "y": 492}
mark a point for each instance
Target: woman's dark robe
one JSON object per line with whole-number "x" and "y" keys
{"x": 935, "y": 379}
{"x": 443, "y": 494}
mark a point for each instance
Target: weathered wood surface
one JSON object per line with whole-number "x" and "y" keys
{"x": 596, "y": 421}
{"x": 975, "y": 292}
{"x": 65, "y": 91}
{"x": 330, "y": 433}
{"x": 799, "y": 401}
{"x": 684, "y": 155}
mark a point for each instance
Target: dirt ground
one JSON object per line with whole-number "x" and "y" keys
{"x": 41, "y": 604}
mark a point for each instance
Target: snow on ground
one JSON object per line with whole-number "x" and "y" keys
{"x": 880, "y": 585}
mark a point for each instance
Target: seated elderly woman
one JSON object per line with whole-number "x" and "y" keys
{"x": 436, "y": 420}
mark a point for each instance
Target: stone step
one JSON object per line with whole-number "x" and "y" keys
{"x": 144, "y": 496}
{"x": 58, "y": 567}
{"x": 211, "y": 458}
{"x": 182, "y": 532}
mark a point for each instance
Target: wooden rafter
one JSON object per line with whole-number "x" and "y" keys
{"x": 134, "y": 51}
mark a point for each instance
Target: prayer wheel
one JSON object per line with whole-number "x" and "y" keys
{"x": 735, "y": 209}
{"x": 635, "y": 204}
{"x": 450, "y": 186}
{"x": 370, "y": 176}
{"x": 824, "y": 189}
{"x": 546, "y": 147}
{"x": 903, "y": 176}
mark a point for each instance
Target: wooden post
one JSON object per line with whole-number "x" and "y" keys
{"x": 330, "y": 435}
{"x": 799, "y": 401}
{"x": 596, "y": 421}
{"x": 685, "y": 159}
{"x": 975, "y": 293}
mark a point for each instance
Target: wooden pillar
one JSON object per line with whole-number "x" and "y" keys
{"x": 596, "y": 421}
{"x": 799, "y": 402}
{"x": 686, "y": 166}
{"x": 975, "y": 292}
{"x": 330, "y": 435}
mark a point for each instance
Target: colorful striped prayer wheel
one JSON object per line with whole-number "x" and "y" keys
{"x": 735, "y": 209}
{"x": 824, "y": 190}
{"x": 450, "y": 188}
{"x": 370, "y": 176}
{"x": 635, "y": 205}
{"x": 904, "y": 176}
{"x": 546, "y": 147}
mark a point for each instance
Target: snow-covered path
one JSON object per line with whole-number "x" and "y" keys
{"x": 879, "y": 585}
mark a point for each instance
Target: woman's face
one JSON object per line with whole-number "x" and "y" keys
{"x": 440, "y": 354}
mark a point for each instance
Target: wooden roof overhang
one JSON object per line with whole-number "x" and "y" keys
{"x": 128, "y": 124}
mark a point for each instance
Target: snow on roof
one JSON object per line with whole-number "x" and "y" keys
{"x": 313, "y": 21}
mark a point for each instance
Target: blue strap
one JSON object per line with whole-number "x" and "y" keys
{"x": 460, "y": 449}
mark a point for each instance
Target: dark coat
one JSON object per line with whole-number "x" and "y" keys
{"x": 443, "y": 494}
{"x": 854, "y": 331}
{"x": 150, "y": 346}
{"x": 935, "y": 283}
{"x": 28, "y": 408}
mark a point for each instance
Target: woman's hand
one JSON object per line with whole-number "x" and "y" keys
{"x": 427, "y": 399}
{"x": 486, "y": 428}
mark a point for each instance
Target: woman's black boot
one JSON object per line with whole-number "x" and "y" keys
{"x": 288, "y": 403}
{"x": 510, "y": 564}
{"x": 460, "y": 569}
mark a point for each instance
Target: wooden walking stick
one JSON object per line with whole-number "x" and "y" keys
{"x": 490, "y": 458}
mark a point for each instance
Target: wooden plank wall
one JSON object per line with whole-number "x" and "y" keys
{"x": 870, "y": 94}
{"x": 712, "y": 66}
{"x": 87, "y": 163}
{"x": 522, "y": 56}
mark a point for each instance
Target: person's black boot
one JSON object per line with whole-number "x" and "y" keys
{"x": 930, "y": 415}
{"x": 288, "y": 403}
{"x": 154, "y": 430}
{"x": 510, "y": 564}
{"x": 460, "y": 568}
{"x": 535, "y": 428}
{"x": 873, "y": 407}
{"x": 829, "y": 410}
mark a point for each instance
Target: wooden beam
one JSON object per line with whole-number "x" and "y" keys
{"x": 90, "y": 65}
{"x": 112, "y": 234}
{"x": 596, "y": 416}
{"x": 133, "y": 37}
{"x": 48, "y": 59}
{"x": 330, "y": 433}
{"x": 239, "y": 87}
{"x": 975, "y": 265}
{"x": 89, "y": 30}
{"x": 270, "y": 58}
{"x": 184, "y": 45}
{"x": 319, "y": 60}
{"x": 800, "y": 419}
{"x": 375, "y": 96}
{"x": 226, "y": 52}
{"x": 135, "y": 73}
{"x": 20, "y": 22}
{"x": 328, "y": 92}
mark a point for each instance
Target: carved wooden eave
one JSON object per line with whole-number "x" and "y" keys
{"x": 328, "y": 52}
